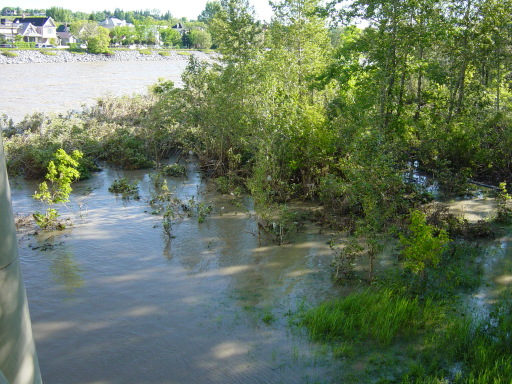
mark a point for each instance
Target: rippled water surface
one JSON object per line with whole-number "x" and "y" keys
{"x": 113, "y": 302}
{"x": 28, "y": 88}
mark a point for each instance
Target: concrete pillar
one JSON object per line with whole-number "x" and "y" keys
{"x": 18, "y": 358}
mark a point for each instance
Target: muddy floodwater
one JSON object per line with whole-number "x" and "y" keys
{"x": 113, "y": 300}
{"x": 58, "y": 88}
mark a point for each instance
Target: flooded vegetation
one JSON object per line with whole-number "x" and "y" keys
{"x": 113, "y": 299}
{"x": 301, "y": 211}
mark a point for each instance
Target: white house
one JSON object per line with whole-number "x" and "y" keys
{"x": 33, "y": 29}
{"x": 112, "y": 22}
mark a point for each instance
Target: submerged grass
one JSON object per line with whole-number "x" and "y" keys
{"x": 370, "y": 314}
{"x": 442, "y": 346}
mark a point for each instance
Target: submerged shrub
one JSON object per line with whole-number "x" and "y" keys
{"x": 175, "y": 170}
{"x": 62, "y": 171}
{"x": 123, "y": 149}
{"x": 125, "y": 188}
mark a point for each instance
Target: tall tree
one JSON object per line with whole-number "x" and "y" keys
{"x": 209, "y": 12}
{"x": 236, "y": 31}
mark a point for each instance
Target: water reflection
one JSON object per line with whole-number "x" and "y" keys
{"x": 66, "y": 271}
{"x": 189, "y": 310}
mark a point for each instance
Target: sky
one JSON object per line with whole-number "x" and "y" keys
{"x": 178, "y": 8}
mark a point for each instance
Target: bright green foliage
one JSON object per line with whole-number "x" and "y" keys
{"x": 95, "y": 37}
{"x": 170, "y": 37}
{"x": 200, "y": 39}
{"x": 122, "y": 35}
{"x": 99, "y": 43}
{"x": 235, "y": 31}
{"x": 60, "y": 14}
{"x": 124, "y": 188}
{"x": 209, "y": 12}
{"x": 422, "y": 248}
{"x": 379, "y": 315}
{"x": 503, "y": 212}
{"x": 144, "y": 31}
{"x": 62, "y": 171}
{"x": 479, "y": 348}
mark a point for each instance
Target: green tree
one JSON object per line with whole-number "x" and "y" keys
{"x": 95, "y": 37}
{"x": 60, "y": 14}
{"x": 121, "y": 35}
{"x": 200, "y": 39}
{"x": 423, "y": 247}
{"x": 62, "y": 171}
{"x": 236, "y": 32}
{"x": 209, "y": 12}
{"x": 99, "y": 43}
{"x": 145, "y": 30}
{"x": 170, "y": 37}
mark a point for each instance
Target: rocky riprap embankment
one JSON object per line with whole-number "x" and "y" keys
{"x": 62, "y": 56}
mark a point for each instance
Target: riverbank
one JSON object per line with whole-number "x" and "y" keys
{"x": 64, "y": 56}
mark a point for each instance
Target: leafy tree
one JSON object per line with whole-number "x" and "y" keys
{"x": 168, "y": 16}
{"x": 84, "y": 30}
{"x": 60, "y": 14}
{"x": 145, "y": 30}
{"x": 119, "y": 14}
{"x": 211, "y": 9}
{"x": 99, "y": 43}
{"x": 423, "y": 246}
{"x": 62, "y": 171}
{"x": 235, "y": 31}
{"x": 122, "y": 35}
{"x": 98, "y": 16}
{"x": 200, "y": 39}
{"x": 170, "y": 37}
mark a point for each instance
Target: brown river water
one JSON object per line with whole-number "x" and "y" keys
{"x": 113, "y": 301}
{"x": 50, "y": 87}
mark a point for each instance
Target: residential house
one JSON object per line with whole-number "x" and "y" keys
{"x": 36, "y": 29}
{"x": 64, "y": 35}
{"x": 8, "y": 30}
{"x": 179, "y": 28}
{"x": 112, "y": 22}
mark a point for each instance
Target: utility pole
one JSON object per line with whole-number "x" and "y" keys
{"x": 18, "y": 357}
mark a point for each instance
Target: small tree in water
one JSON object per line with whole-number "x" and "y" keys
{"x": 421, "y": 247}
{"x": 62, "y": 171}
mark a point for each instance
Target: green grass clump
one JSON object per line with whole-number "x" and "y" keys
{"x": 125, "y": 188}
{"x": 184, "y": 53}
{"x": 483, "y": 347}
{"x": 442, "y": 343}
{"x": 174, "y": 170}
{"x": 145, "y": 51}
{"x": 9, "y": 54}
{"x": 370, "y": 314}
{"x": 164, "y": 53}
{"x": 48, "y": 53}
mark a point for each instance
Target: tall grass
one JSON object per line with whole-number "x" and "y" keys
{"x": 448, "y": 347}
{"x": 483, "y": 347}
{"x": 381, "y": 315}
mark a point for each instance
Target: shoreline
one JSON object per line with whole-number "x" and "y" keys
{"x": 64, "y": 56}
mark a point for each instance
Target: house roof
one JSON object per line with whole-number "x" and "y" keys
{"x": 37, "y": 21}
{"x": 114, "y": 22}
{"x": 64, "y": 35}
{"x": 62, "y": 28}
{"x": 29, "y": 30}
